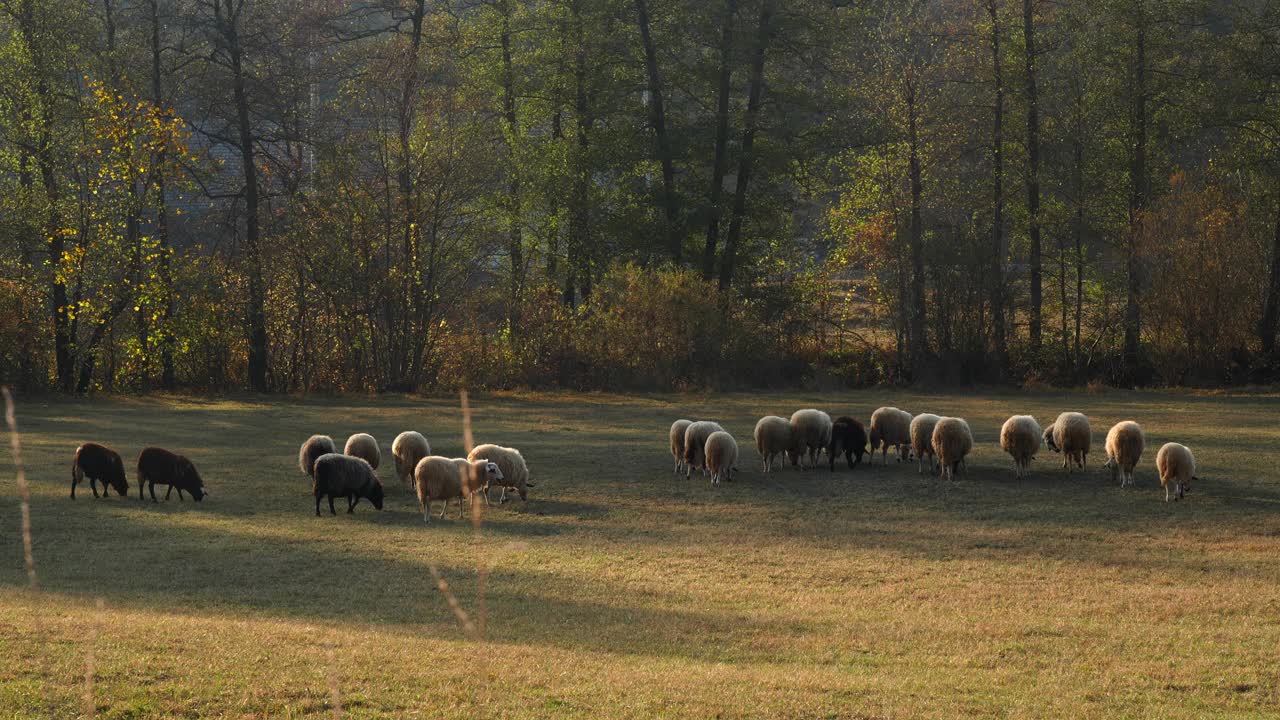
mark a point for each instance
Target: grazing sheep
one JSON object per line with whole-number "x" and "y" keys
{"x": 678, "y": 429}
{"x": 773, "y": 438}
{"x": 311, "y": 450}
{"x": 98, "y": 463}
{"x": 810, "y": 434}
{"x": 159, "y": 466}
{"x": 695, "y": 445}
{"x": 922, "y": 439}
{"x": 1176, "y": 465}
{"x": 408, "y": 448}
{"x": 1124, "y": 448}
{"x": 1020, "y": 436}
{"x": 1069, "y": 435}
{"x": 891, "y": 426}
{"x": 721, "y": 453}
{"x": 347, "y": 477}
{"x": 848, "y": 436}
{"x": 952, "y": 441}
{"x": 442, "y": 478}
{"x": 515, "y": 473}
{"x": 363, "y": 446}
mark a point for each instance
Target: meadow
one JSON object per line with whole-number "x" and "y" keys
{"x": 622, "y": 591}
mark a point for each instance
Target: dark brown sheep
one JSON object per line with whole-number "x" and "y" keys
{"x": 100, "y": 463}
{"x": 848, "y": 436}
{"x": 345, "y": 476}
{"x": 157, "y": 466}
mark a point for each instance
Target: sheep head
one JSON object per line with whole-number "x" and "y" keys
{"x": 117, "y": 477}
{"x": 188, "y": 470}
{"x": 1048, "y": 439}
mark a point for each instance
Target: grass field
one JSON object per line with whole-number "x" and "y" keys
{"x": 621, "y": 591}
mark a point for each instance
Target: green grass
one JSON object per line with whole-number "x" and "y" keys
{"x": 621, "y": 591}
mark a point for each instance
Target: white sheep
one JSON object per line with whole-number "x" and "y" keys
{"x": 515, "y": 472}
{"x": 678, "y": 429}
{"x": 695, "y": 445}
{"x": 921, "y": 430}
{"x": 810, "y": 434}
{"x": 408, "y": 448}
{"x": 773, "y": 437}
{"x": 1069, "y": 435}
{"x": 952, "y": 441}
{"x": 1021, "y": 437}
{"x": 363, "y": 446}
{"x": 890, "y": 426}
{"x": 311, "y": 450}
{"x": 442, "y": 478}
{"x": 722, "y": 455}
{"x": 1125, "y": 442}
{"x": 1176, "y": 465}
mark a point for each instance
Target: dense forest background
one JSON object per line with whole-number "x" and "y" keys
{"x": 292, "y": 195}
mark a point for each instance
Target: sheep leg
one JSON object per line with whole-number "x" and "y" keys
{"x": 503, "y": 497}
{"x": 166, "y": 495}
{"x": 446, "y": 508}
{"x": 426, "y": 512}
{"x": 317, "y": 506}
{"x": 332, "y": 511}
{"x": 152, "y": 487}
{"x": 180, "y": 498}
{"x": 351, "y": 503}
{"x": 93, "y": 485}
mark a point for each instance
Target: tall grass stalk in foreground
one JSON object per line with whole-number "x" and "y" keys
{"x": 24, "y": 494}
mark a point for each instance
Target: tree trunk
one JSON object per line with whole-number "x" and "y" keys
{"x": 63, "y": 336}
{"x": 515, "y": 241}
{"x": 1033, "y": 174}
{"x": 1077, "y": 228}
{"x": 167, "y": 374}
{"x": 728, "y": 263}
{"x": 918, "y": 342}
{"x": 410, "y": 229}
{"x": 258, "y": 359}
{"x": 722, "y": 141}
{"x": 658, "y": 119}
{"x": 1138, "y": 196}
{"x": 579, "y": 215}
{"x": 997, "y": 233}
{"x": 1271, "y": 306}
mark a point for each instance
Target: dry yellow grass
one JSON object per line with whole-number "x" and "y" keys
{"x": 621, "y": 591}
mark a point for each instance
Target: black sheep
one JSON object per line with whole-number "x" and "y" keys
{"x": 157, "y": 466}
{"x": 345, "y": 476}
{"x": 848, "y": 436}
{"x": 100, "y": 463}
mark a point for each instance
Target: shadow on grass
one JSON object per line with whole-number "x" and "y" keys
{"x": 313, "y": 572}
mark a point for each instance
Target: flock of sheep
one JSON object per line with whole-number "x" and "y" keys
{"x": 351, "y": 473}
{"x": 945, "y": 441}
